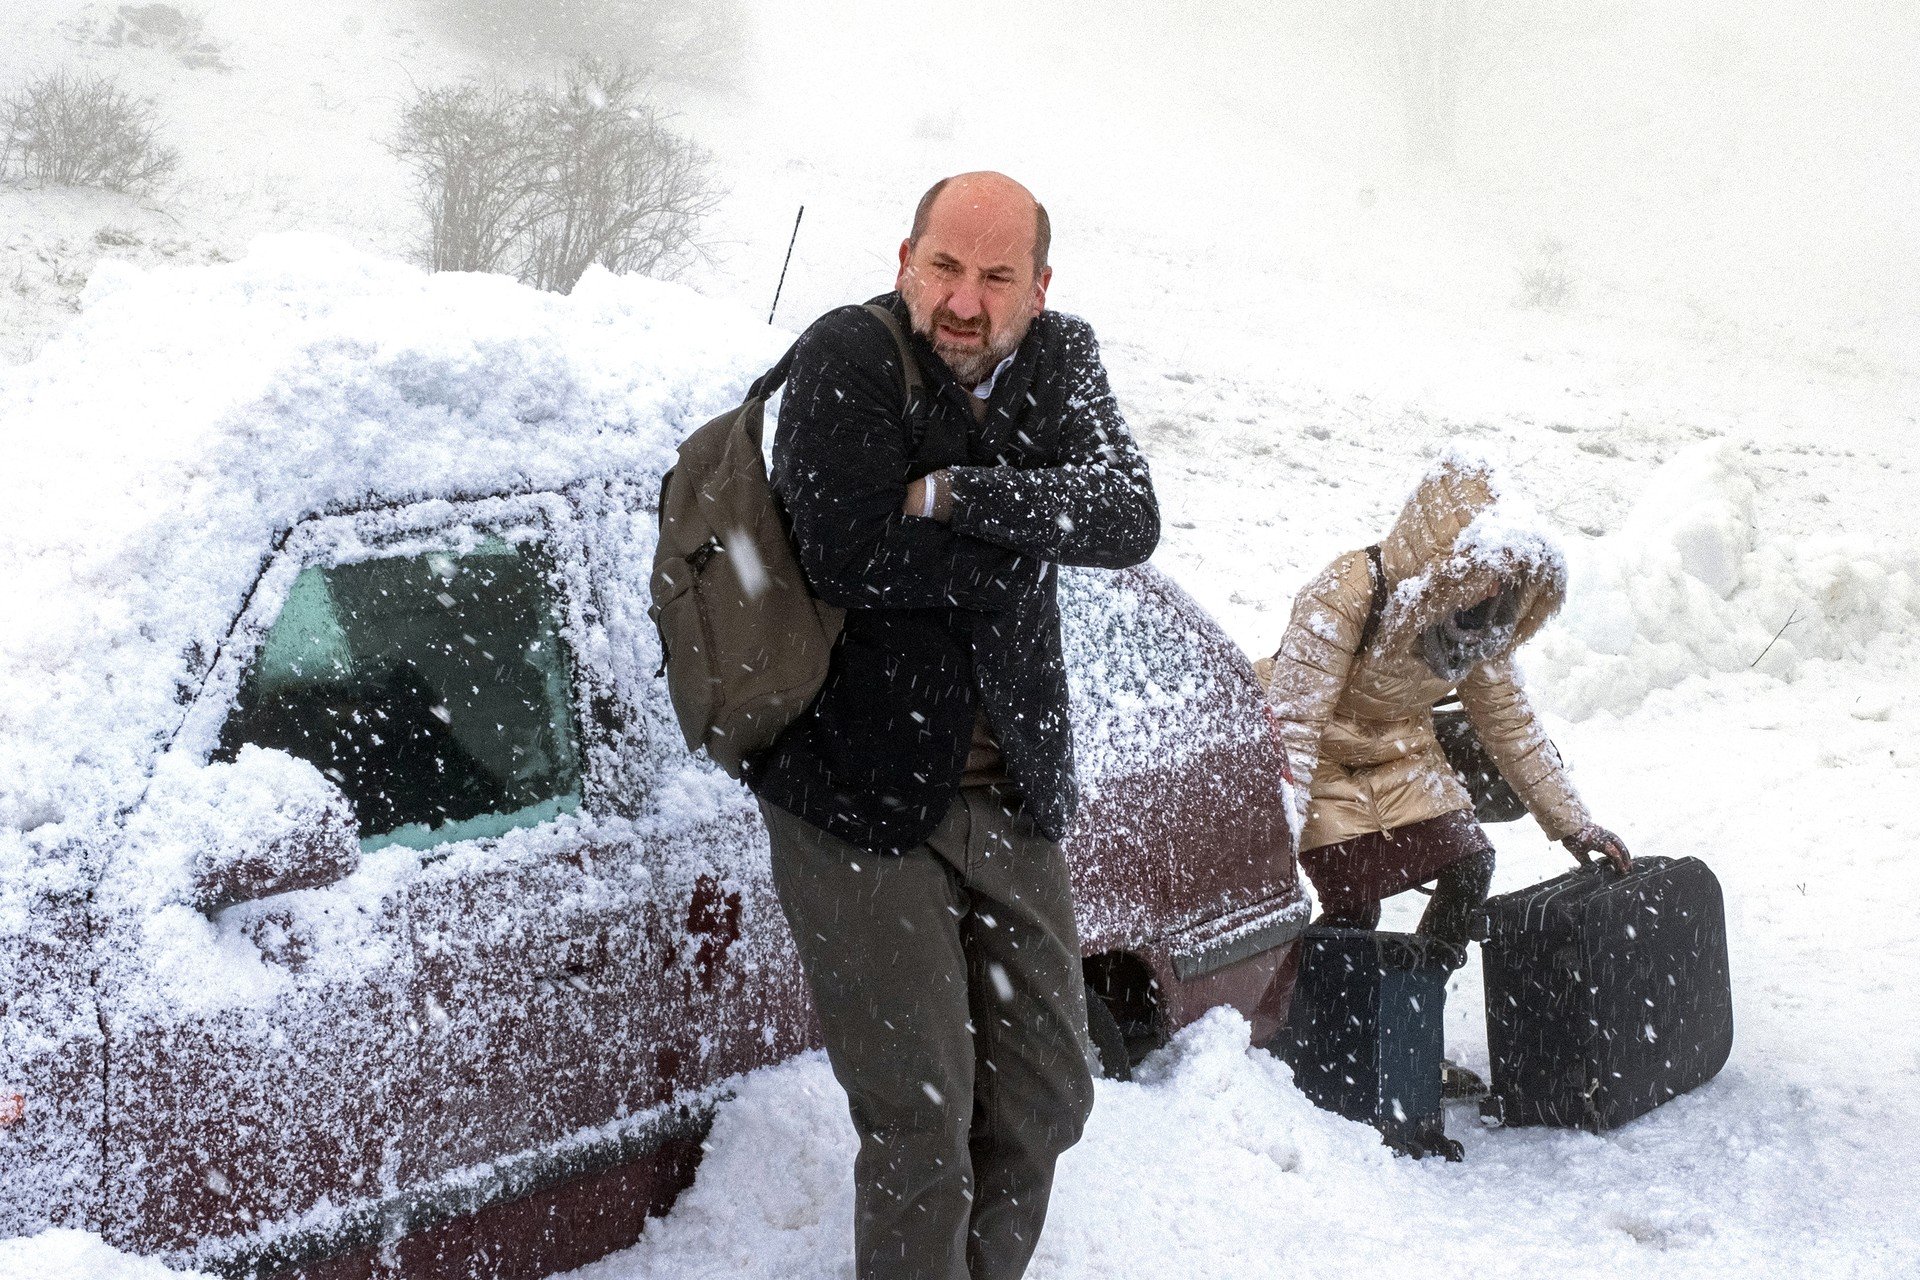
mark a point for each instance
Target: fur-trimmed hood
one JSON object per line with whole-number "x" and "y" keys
{"x": 1455, "y": 542}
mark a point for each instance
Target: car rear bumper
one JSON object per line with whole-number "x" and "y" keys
{"x": 1245, "y": 958}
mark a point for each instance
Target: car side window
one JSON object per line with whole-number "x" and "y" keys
{"x": 434, "y": 690}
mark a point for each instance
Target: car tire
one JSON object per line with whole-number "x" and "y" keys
{"x": 1104, "y": 1031}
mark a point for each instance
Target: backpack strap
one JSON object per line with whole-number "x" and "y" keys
{"x": 913, "y": 383}
{"x": 769, "y": 382}
{"x": 910, "y": 376}
{"x": 1377, "y": 604}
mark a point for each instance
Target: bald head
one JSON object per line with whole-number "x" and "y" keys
{"x": 987, "y": 187}
{"x": 974, "y": 272}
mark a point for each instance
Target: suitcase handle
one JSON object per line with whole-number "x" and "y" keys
{"x": 1597, "y": 862}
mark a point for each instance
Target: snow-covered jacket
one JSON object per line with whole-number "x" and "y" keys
{"x": 1358, "y": 726}
{"x": 944, "y": 621}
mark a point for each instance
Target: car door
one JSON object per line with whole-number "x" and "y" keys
{"x": 52, "y": 1068}
{"x": 516, "y": 902}
{"x": 304, "y": 1044}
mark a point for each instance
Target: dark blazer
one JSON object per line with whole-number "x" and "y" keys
{"x": 944, "y": 618}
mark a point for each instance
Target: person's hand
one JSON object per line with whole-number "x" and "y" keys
{"x": 1594, "y": 838}
{"x": 930, "y": 497}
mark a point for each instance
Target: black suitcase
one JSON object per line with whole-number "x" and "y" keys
{"x": 1363, "y": 1035}
{"x": 1606, "y": 994}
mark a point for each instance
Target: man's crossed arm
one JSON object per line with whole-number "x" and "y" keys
{"x": 858, "y": 525}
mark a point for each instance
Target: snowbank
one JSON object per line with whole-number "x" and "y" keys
{"x": 79, "y": 1255}
{"x": 1691, "y": 586}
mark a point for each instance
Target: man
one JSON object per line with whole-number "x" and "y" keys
{"x": 916, "y": 808}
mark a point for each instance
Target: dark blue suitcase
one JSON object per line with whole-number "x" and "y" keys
{"x": 1364, "y": 1033}
{"x": 1607, "y": 994}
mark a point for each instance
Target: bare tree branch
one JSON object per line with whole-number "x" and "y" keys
{"x": 83, "y": 130}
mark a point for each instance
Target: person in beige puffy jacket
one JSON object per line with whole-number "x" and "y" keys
{"x": 1438, "y": 607}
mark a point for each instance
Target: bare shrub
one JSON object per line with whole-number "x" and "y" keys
{"x": 83, "y": 130}
{"x": 616, "y": 185}
{"x": 158, "y": 26}
{"x": 180, "y": 32}
{"x": 544, "y": 182}
{"x": 1546, "y": 283}
{"x": 476, "y": 164}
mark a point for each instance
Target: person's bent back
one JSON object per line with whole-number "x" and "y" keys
{"x": 1438, "y": 606}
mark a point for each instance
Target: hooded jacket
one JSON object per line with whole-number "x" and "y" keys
{"x": 1358, "y": 726}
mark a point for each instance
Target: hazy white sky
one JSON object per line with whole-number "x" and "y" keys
{"x": 1739, "y": 153}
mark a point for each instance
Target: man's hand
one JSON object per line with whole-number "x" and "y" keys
{"x": 1594, "y": 838}
{"x": 930, "y": 497}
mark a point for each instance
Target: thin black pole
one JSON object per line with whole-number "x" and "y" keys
{"x": 784, "y": 265}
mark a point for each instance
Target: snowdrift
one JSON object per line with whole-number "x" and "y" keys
{"x": 1211, "y": 1165}
{"x": 1690, "y": 585}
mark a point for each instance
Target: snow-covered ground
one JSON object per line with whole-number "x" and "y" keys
{"x": 75, "y": 1255}
{"x": 1792, "y": 1163}
{"x": 1719, "y": 422}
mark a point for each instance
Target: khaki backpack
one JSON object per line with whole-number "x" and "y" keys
{"x": 744, "y": 644}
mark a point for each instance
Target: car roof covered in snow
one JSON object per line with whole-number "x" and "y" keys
{"x": 189, "y": 416}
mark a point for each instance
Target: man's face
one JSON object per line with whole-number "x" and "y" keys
{"x": 969, "y": 282}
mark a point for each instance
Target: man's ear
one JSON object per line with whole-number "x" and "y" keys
{"x": 1040, "y": 290}
{"x": 906, "y": 252}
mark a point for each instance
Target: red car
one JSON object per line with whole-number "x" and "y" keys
{"x": 428, "y": 949}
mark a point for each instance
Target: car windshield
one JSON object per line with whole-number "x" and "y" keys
{"x": 433, "y": 690}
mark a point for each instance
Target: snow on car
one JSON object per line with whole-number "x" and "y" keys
{"x": 356, "y": 890}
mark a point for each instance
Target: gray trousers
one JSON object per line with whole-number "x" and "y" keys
{"x": 949, "y": 987}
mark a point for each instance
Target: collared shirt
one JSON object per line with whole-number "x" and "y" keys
{"x": 985, "y": 390}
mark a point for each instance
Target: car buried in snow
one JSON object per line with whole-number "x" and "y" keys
{"x": 424, "y": 948}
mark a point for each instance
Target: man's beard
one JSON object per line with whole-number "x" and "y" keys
{"x": 972, "y": 365}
